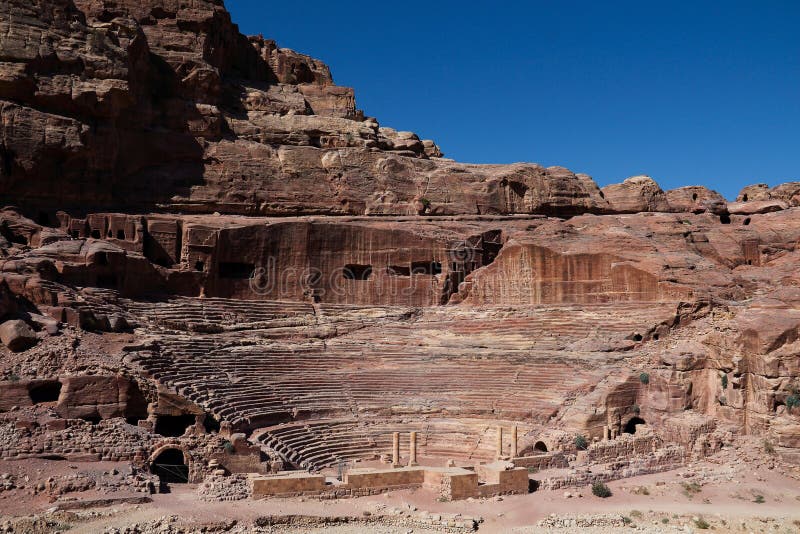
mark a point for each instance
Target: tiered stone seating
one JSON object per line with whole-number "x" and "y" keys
{"x": 319, "y": 444}
{"x": 378, "y": 362}
{"x": 219, "y": 313}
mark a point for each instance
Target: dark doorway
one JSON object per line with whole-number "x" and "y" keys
{"x": 630, "y": 426}
{"x": 540, "y": 446}
{"x": 426, "y": 267}
{"x": 170, "y": 467}
{"x": 357, "y": 272}
{"x": 235, "y": 270}
{"x": 173, "y": 426}
{"x": 47, "y": 392}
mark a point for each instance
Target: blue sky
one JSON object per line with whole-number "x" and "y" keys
{"x": 703, "y": 92}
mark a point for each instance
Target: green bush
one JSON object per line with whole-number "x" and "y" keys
{"x": 581, "y": 443}
{"x": 228, "y": 446}
{"x": 724, "y": 381}
{"x": 601, "y": 490}
{"x": 690, "y": 489}
{"x": 792, "y": 401}
{"x": 702, "y": 524}
{"x": 644, "y": 378}
{"x": 759, "y": 499}
{"x": 769, "y": 448}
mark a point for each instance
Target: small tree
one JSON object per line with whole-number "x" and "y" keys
{"x": 581, "y": 443}
{"x": 599, "y": 489}
{"x": 644, "y": 378}
{"x": 228, "y": 447}
{"x": 792, "y": 401}
{"x": 724, "y": 381}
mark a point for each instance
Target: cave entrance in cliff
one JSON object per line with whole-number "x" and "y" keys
{"x": 46, "y": 392}
{"x": 426, "y": 267}
{"x": 173, "y": 426}
{"x": 630, "y": 426}
{"x": 170, "y": 467}
{"x": 540, "y": 446}
{"x": 357, "y": 272}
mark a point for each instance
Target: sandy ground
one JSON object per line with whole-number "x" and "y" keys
{"x": 730, "y": 497}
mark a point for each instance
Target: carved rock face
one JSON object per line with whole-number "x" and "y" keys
{"x": 211, "y": 213}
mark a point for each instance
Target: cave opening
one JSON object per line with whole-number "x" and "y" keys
{"x": 630, "y": 426}
{"x": 357, "y": 272}
{"x": 211, "y": 424}
{"x": 173, "y": 426}
{"x": 540, "y": 446}
{"x": 426, "y": 267}
{"x": 121, "y": 234}
{"x": 46, "y": 392}
{"x": 170, "y": 467}
{"x": 12, "y": 236}
{"x": 724, "y": 218}
{"x": 398, "y": 270}
{"x": 94, "y": 419}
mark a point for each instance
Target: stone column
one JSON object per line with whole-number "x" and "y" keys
{"x": 412, "y": 450}
{"x": 606, "y": 433}
{"x": 396, "y": 449}
{"x": 499, "y": 442}
{"x": 514, "y": 449}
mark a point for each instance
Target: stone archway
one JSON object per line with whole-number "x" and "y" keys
{"x": 171, "y": 464}
{"x": 633, "y": 422}
{"x": 540, "y": 446}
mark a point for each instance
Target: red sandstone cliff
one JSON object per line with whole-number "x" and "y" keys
{"x": 113, "y": 110}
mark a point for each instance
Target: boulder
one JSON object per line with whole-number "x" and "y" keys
{"x": 696, "y": 199}
{"x": 636, "y": 194}
{"x": 754, "y": 207}
{"x": 753, "y": 192}
{"x": 17, "y": 335}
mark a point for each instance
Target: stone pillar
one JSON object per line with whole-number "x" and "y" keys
{"x": 606, "y": 433}
{"x": 396, "y": 449}
{"x": 412, "y": 449}
{"x": 499, "y": 442}
{"x": 514, "y": 449}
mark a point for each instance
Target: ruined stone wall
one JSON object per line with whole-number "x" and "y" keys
{"x": 112, "y": 440}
